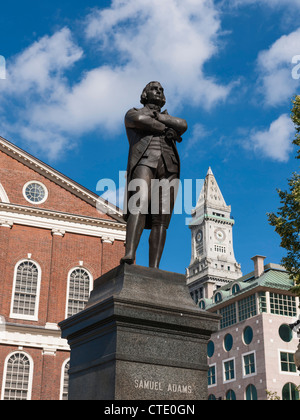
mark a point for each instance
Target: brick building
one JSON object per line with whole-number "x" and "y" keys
{"x": 54, "y": 241}
{"x": 253, "y": 350}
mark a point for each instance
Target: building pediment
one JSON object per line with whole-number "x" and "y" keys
{"x": 59, "y": 179}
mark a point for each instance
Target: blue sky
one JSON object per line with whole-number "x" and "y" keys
{"x": 73, "y": 69}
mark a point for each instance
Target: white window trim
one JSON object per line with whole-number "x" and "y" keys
{"x": 68, "y": 284}
{"x": 62, "y": 378}
{"x": 281, "y": 372}
{"x": 30, "y": 373}
{"x": 223, "y": 368}
{"x": 42, "y": 185}
{"x": 36, "y": 309}
{"x": 216, "y": 383}
{"x": 243, "y": 364}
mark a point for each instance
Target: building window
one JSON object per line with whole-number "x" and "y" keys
{"x": 251, "y": 393}
{"x": 229, "y": 370}
{"x": 212, "y": 375}
{"x": 247, "y": 308}
{"x": 220, "y": 248}
{"x": 26, "y": 291}
{"x": 64, "y": 392}
{"x": 228, "y": 342}
{"x": 79, "y": 285}
{"x": 199, "y": 249}
{"x": 196, "y": 296}
{"x": 228, "y": 314}
{"x": 287, "y": 362}
{"x": 202, "y": 305}
{"x": 283, "y": 305}
{"x": 210, "y": 348}
{"x": 35, "y": 192}
{"x": 212, "y": 397}
{"x": 249, "y": 364}
{"x": 285, "y": 333}
{"x": 262, "y": 302}
{"x": 17, "y": 379}
{"x": 230, "y": 395}
{"x": 290, "y": 392}
{"x": 247, "y": 335}
{"x": 235, "y": 288}
{"x": 218, "y": 297}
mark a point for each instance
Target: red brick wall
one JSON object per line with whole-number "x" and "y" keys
{"x": 56, "y": 255}
{"x": 14, "y": 175}
{"x": 47, "y": 371}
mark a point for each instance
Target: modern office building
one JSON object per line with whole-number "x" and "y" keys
{"x": 253, "y": 352}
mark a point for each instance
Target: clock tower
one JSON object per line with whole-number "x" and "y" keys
{"x": 213, "y": 262}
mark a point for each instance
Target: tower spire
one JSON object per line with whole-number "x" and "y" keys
{"x": 213, "y": 262}
{"x": 211, "y": 195}
{"x": 209, "y": 172}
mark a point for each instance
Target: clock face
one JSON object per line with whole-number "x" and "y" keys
{"x": 199, "y": 236}
{"x": 220, "y": 235}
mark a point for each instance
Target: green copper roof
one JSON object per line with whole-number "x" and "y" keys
{"x": 274, "y": 277}
{"x": 276, "y": 280}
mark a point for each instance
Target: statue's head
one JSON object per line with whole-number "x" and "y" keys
{"x": 153, "y": 93}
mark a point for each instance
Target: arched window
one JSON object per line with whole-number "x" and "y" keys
{"x": 26, "y": 291}
{"x": 79, "y": 287}
{"x": 17, "y": 378}
{"x": 230, "y": 395}
{"x": 202, "y": 305}
{"x": 251, "y": 393}
{"x": 64, "y": 385}
{"x": 290, "y": 392}
{"x": 218, "y": 297}
{"x": 235, "y": 289}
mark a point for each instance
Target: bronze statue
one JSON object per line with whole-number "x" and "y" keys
{"x": 153, "y": 155}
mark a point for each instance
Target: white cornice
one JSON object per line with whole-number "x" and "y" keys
{"x": 27, "y": 336}
{"x": 60, "y": 179}
{"x": 62, "y": 222}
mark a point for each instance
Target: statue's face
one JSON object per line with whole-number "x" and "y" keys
{"x": 155, "y": 94}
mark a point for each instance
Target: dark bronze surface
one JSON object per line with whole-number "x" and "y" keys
{"x": 153, "y": 155}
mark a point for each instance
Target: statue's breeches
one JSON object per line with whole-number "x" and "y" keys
{"x": 152, "y": 191}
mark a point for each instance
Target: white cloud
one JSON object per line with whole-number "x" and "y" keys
{"x": 276, "y": 142}
{"x": 41, "y": 66}
{"x": 169, "y": 41}
{"x": 36, "y": 77}
{"x": 269, "y": 3}
{"x": 275, "y": 67}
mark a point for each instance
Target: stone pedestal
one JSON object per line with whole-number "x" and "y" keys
{"x": 141, "y": 337}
